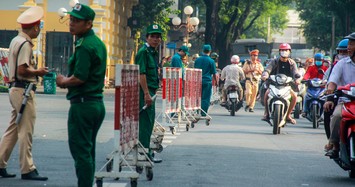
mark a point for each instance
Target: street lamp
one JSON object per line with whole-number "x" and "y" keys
{"x": 62, "y": 12}
{"x": 190, "y": 24}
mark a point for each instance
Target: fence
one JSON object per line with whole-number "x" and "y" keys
{"x": 4, "y": 67}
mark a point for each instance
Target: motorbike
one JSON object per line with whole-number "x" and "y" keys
{"x": 300, "y": 98}
{"x": 233, "y": 104}
{"x": 346, "y": 159}
{"x": 314, "y": 101}
{"x": 279, "y": 100}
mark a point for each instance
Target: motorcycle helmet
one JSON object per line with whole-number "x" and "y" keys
{"x": 235, "y": 59}
{"x": 214, "y": 55}
{"x": 343, "y": 45}
{"x": 285, "y": 50}
{"x": 318, "y": 58}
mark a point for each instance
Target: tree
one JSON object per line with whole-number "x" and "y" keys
{"x": 148, "y": 12}
{"x": 317, "y": 17}
{"x": 228, "y": 20}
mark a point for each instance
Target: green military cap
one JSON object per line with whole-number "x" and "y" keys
{"x": 154, "y": 28}
{"x": 185, "y": 49}
{"x": 82, "y": 11}
{"x": 207, "y": 47}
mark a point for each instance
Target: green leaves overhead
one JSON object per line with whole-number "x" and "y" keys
{"x": 317, "y": 16}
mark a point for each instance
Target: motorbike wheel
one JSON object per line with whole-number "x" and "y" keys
{"x": 232, "y": 109}
{"x": 277, "y": 119}
{"x": 352, "y": 173}
{"x": 315, "y": 116}
{"x": 296, "y": 113}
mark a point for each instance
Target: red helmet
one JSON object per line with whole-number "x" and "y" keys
{"x": 285, "y": 46}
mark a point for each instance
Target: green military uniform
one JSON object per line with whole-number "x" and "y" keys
{"x": 147, "y": 59}
{"x": 208, "y": 67}
{"x": 87, "y": 110}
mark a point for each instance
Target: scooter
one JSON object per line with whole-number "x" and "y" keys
{"x": 279, "y": 100}
{"x": 314, "y": 102}
{"x": 233, "y": 103}
{"x": 346, "y": 158}
{"x": 300, "y": 98}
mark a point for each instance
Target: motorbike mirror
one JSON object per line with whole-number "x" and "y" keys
{"x": 320, "y": 71}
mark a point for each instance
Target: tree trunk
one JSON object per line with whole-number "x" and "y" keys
{"x": 212, "y": 7}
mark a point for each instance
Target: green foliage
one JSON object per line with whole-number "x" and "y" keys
{"x": 317, "y": 16}
{"x": 152, "y": 11}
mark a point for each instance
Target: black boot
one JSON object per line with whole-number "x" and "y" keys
{"x": 4, "y": 174}
{"x": 33, "y": 175}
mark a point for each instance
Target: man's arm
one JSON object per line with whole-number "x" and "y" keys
{"x": 143, "y": 83}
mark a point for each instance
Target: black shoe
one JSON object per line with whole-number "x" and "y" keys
{"x": 332, "y": 154}
{"x": 251, "y": 110}
{"x": 157, "y": 160}
{"x": 5, "y": 174}
{"x": 246, "y": 108}
{"x": 33, "y": 175}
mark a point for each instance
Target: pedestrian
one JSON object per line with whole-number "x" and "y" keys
{"x": 146, "y": 58}
{"x": 253, "y": 70}
{"x": 23, "y": 71}
{"x": 192, "y": 63}
{"x": 207, "y": 64}
{"x": 85, "y": 83}
{"x": 177, "y": 60}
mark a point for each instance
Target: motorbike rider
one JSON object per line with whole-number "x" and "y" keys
{"x": 231, "y": 75}
{"x": 327, "y": 62}
{"x": 300, "y": 67}
{"x": 342, "y": 74}
{"x": 312, "y": 73}
{"x": 282, "y": 65}
{"x": 342, "y": 52}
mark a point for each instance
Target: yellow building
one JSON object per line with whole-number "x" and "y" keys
{"x": 55, "y": 42}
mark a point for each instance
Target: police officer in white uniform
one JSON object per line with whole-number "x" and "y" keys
{"x": 22, "y": 72}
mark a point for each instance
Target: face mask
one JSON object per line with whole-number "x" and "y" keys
{"x": 284, "y": 54}
{"x": 341, "y": 56}
{"x": 318, "y": 63}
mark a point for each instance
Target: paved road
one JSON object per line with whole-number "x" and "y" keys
{"x": 232, "y": 151}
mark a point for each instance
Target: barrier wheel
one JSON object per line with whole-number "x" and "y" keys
{"x": 207, "y": 122}
{"x": 173, "y": 130}
{"x": 149, "y": 173}
{"x": 192, "y": 125}
{"x": 187, "y": 127}
{"x": 134, "y": 182}
{"x": 99, "y": 182}
{"x": 139, "y": 169}
{"x": 160, "y": 148}
{"x": 109, "y": 166}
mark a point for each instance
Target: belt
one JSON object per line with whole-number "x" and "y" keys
{"x": 22, "y": 85}
{"x": 85, "y": 99}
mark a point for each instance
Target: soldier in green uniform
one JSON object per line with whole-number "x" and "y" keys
{"x": 207, "y": 64}
{"x": 85, "y": 83}
{"x": 147, "y": 59}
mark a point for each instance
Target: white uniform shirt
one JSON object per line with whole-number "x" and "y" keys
{"x": 232, "y": 74}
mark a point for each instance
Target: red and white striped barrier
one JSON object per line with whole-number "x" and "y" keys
{"x": 126, "y": 106}
{"x": 171, "y": 91}
{"x": 192, "y": 89}
{"x": 4, "y": 67}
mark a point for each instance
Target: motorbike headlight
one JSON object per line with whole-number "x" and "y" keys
{"x": 316, "y": 83}
{"x": 281, "y": 80}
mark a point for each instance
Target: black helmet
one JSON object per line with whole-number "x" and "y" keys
{"x": 297, "y": 60}
{"x": 350, "y": 36}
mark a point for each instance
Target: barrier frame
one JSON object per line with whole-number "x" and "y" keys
{"x": 128, "y": 151}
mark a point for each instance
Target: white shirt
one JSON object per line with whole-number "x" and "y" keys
{"x": 343, "y": 72}
{"x": 232, "y": 74}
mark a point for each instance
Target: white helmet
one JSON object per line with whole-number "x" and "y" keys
{"x": 235, "y": 59}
